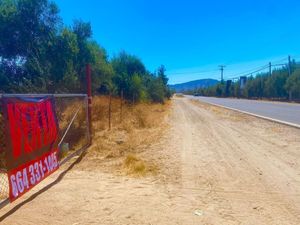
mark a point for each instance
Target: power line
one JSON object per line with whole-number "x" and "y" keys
{"x": 194, "y": 72}
{"x": 270, "y": 65}
{"x": 295, "y": 56}
{"x": 280, "y": 60}
{"x": 250, "y": 73}
{"x": 282, "y": 64}
{"x": 258, "y": 69}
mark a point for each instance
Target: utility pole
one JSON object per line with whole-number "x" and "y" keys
{"x": 289, "y": 71}
{"x": 270, "y": 68}
{"x": 222, "y": 72}
{"x": 289, "y": 65}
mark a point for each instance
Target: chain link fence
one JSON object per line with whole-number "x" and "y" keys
{"x": 74, "y": 137}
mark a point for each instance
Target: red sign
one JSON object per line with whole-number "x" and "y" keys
{"x": 32, "y": 137}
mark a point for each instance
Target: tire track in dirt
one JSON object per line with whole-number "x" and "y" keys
{"x": 232, "y": 171}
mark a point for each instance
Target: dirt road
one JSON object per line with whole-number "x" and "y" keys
{"x": 226, "y": 167}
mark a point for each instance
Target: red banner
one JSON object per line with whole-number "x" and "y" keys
{"x": 32, "y": 137}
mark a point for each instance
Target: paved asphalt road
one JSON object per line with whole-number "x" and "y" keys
{"x": 287, "y": 112}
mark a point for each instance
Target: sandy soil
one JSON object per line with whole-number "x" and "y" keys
{"x": 228, "y": 167}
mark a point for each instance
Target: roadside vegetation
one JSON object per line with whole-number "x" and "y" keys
{"x": 125, "y": 148}
{"x": 40, "y": 54}
{"x": 278, "y": 86}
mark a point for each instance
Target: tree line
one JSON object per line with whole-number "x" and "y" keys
{"x": 281, "y": 84}
{"x": 39, "y": 54}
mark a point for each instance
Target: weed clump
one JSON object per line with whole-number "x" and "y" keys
{"x": 134, "y": 165}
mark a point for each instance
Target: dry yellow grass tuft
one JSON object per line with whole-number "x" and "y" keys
{"x": 134, "y": 165}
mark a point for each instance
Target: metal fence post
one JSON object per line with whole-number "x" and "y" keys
{"x": 89, "y": 93}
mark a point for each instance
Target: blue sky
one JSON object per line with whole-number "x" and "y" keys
{"x": 191, "y": 38}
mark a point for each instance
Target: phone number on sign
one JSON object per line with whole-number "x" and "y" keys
{"x": 24, "y": 179}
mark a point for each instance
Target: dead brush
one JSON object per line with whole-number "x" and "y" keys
{"x": 149, "y": 115}
{"x": 134, "y": 165}
{"x": 141, "y": 118}
{"x": 76, "y": 137}
{"x": 141, "y": 126}
{"x": 100, "y": 113}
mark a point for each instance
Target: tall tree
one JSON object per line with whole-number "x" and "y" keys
{"x": 125, "y": 67}
{"x": 293, "y": 84}
{"x": 28, "y": 28}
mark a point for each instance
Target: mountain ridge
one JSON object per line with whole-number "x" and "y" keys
{"x": 190, "y": 85}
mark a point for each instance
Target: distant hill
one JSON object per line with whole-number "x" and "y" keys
{"x": 191, "y": 85}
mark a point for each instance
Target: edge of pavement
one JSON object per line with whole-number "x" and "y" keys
{"x": 255, "y": 115}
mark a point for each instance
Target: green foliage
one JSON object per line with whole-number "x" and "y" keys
{"x": 156, "y": 90}
{"x": 28, "y": 29}
{"x": 274, "y": 86}
{"x": 126, "y": 66}
{"x": 136, "y": 87}
{"x": 39, "y": 54}
{"x": 164, "y": 81}
{"x": 136, "y": 83}
{"x": 293, "y": 84}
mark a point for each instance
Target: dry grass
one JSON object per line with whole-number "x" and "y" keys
{"x": 120, "y": 148}
{"x": 134, "y": 165}
{"x": 65, "y": 110}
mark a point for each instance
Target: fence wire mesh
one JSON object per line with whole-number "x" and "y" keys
{"x": 71, "y": 112}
